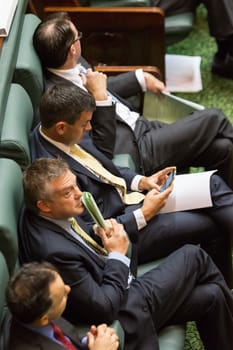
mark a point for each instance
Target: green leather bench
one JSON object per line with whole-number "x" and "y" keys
{"x": 15, "y": 116}
{"x": 11, "y": 198}
{"x": 28, "y": 70}
{"x": 16, "y": 125}
{"x": 8, "y": 56}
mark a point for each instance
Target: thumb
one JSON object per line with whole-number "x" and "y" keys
{"x": 90, "y": 340}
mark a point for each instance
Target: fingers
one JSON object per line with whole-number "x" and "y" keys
{"x": 104, "y": 330}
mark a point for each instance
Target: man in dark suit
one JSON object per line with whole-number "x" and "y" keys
{"x": 37, "y": 296}
{"x": 207, "y": 135}
{"x": 66, "y": 113}
{"x": 220, "y": 27}
{"x": 186, "y": 285}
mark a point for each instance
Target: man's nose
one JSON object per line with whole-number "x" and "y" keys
{"x": 88, "y": 126}
{"x": 78, "y": 192}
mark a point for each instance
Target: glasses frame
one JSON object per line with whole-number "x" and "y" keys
{"x": 80, "y": 35}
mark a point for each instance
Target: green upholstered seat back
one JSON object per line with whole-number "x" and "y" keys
{"x": 8, "y": 55}
{"x": 11, "y": 198}
{"x": 17, "y": 123}
{"x": 28, "y": 70}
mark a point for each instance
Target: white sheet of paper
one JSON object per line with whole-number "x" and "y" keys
{"x": 183, "y": 73}
{"x": 191, "y": 191}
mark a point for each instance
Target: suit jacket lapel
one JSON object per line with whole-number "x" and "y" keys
{"x": 60, "y": 231}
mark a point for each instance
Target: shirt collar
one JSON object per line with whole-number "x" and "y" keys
{"x": 59, "y": 222}
{"x": 59, "y": 145}
{"x": 72, "y": 74}
{"x": 45, "y": 330}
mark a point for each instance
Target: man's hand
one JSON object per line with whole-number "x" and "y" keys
{"x": 156, "y": 180}
{"x": 114, "y": 237}
{"x": 153, "y": 84}
{"x": 96, "y": 84}
{"x": 102, "y": 338}
{"x": 154, "y": 201}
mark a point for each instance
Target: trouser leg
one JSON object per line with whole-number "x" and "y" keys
{"x": 168, "y": 232}
{"x": 220, "y": 26}
{"x": 220, "y": 158}
{"x": 188, "y": 286}
{"x": 203, "y": 138}
{"x": 220, "y": 249}
{"x": 222, "y": 215}
{"x": 216, "y": 334}
{"x": 172, "y": 7}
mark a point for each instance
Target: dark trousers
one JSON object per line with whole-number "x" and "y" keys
{"x": 212, "y": 228}
{"x": 188, "y": 286}
{"x": 204, "y": 138}
{"x": 220, "y": 26}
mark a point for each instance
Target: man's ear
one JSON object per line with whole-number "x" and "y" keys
{"x": 43, "y": 320}
{"x": 43, "y": 206}
{"x": 60, "y": 127}
{"x": 71, "y": 52}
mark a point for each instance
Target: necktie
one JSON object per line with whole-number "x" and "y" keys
{"x": 90, "y": 241}
{"x": 118, "y": 182}
{"x": 59, "y": 335}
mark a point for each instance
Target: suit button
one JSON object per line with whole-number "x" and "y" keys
{"x": 145, "y": 308}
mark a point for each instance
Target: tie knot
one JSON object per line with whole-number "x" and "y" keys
{"x": 72, "y": 221}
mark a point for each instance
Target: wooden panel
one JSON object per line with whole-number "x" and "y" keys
{"x": 37, "y": 6}
{"x": 120, "y": 36}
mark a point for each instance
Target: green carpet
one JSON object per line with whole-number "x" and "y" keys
{"x": 217, "y": 92}
{"x": 192, "y": 339}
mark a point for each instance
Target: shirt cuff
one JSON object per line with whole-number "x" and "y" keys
{"x": 140, "y": 220}
{"x": 140, "y": 78}
{"x": 121, "y": 257}
{"x": 135, "y": 183}
{"x": 104, "y": 103}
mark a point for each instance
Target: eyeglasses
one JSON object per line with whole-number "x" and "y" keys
{"x": 80, "y": 35}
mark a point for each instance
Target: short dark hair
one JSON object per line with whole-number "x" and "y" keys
{"x": 64, "y": 102}
{"x": 52, "y": 40}
{"x": 36, "y": 177}
{"x": 28, "y": 291}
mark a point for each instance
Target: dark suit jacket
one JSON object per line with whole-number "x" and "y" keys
{"x": 109, "y": 136}
{"x": 106, "y": 196}
{"x": 22, "y": 338}
{"x": 98, "y": 289}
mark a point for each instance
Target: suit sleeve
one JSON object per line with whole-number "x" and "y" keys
{"x": 103, "y": 130}
{"x": 92, "y": 300}
{"x": 124, "y": 85}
